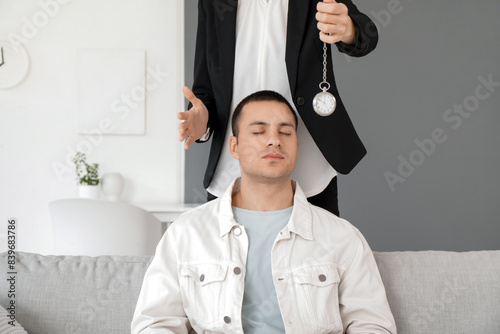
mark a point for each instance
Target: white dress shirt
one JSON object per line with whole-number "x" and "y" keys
{"x": 260, "y": 64}
{"x": 324, "y": 273}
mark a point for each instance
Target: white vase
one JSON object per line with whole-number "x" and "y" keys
{"x": 112, "y": 185}
{"x": 86, "y": 191}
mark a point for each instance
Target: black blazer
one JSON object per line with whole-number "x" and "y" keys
{"x": 213, "y": 76}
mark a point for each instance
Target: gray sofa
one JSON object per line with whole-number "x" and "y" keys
{"x": 429, "y": 292}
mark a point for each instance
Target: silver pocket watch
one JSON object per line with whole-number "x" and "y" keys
{"x": 324, "y": 103}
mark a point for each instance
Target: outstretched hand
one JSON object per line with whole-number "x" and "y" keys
{"x": 334, "y": 23}
{"x": 195, "y": 120}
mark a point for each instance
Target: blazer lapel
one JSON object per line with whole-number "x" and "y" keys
{"x": 225, "y": 26}
{"x": 297, "y": 17}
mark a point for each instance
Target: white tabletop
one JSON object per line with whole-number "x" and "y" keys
{"x": 165, "y": 212}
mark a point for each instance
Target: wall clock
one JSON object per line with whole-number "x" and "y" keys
{"x": 14, "y": 64}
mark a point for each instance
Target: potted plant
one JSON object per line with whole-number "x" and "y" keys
{"x": 87, "y": 176}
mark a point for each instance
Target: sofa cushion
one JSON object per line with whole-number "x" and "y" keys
{"x": 75, "y": 294}
{"x": 8, "y": 325}
{"x": 429, "y": 291}
{"x": 443, "y": 292}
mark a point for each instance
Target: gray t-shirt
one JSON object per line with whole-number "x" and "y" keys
{"x": 260, "y": 310}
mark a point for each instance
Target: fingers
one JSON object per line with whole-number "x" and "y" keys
{"x": 188, "y": 93}
{"x": 183, "y": 116}
{"x": 339, "y": 18}
{"x": 331, "y": 7}
{"x": 329, "y": 39}
{"x": 333, "y": 21}
{"x": 194, "y": 120}
{"x": 182, "y": 131}
{"x": 189, "y": 142}
{"x": 331, "y": 33}
{"x": 329, "y": 28}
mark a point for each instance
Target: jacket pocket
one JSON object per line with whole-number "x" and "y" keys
{"x": 318, "y": 285}
{"x": 202, "y": 287}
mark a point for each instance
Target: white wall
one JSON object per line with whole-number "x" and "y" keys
{"x": 38, "y": 133}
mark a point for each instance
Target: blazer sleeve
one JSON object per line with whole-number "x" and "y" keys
{"x": 202, "y": 86}
{"x": 366, "y": 33}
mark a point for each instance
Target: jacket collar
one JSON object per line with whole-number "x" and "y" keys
{"x": 300, "y": 221}
{"x": 226, "y": 217}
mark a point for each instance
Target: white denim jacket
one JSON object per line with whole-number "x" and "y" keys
{"x": 324, "y": 272}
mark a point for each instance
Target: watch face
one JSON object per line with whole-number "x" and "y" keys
{"x": 324, "y": 103}
{"x": 14, "y": 64}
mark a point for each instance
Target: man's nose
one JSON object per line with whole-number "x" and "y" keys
{"x": 273, "y": 140}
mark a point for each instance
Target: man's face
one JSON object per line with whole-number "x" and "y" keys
{"x": 267, "y": 144}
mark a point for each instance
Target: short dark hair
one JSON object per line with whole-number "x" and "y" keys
{"x": 263, "y": 95}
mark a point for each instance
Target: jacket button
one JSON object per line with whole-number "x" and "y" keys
{"x": 322, "y": 278}
{"x": 237, "y": 231}
{"x": 237, "y": 270}
{"x": 202, "y": 277}
{"x": 301, "y": 101}
{"x": 227, "y": 320}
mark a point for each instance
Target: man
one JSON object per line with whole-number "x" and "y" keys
{"x": 261, "y": 258}
{"x": 245, "y": 46}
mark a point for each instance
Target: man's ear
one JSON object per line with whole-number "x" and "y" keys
{"x": 233, "y": 147}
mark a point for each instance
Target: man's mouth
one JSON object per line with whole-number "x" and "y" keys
{"x": 273, "y": 156}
